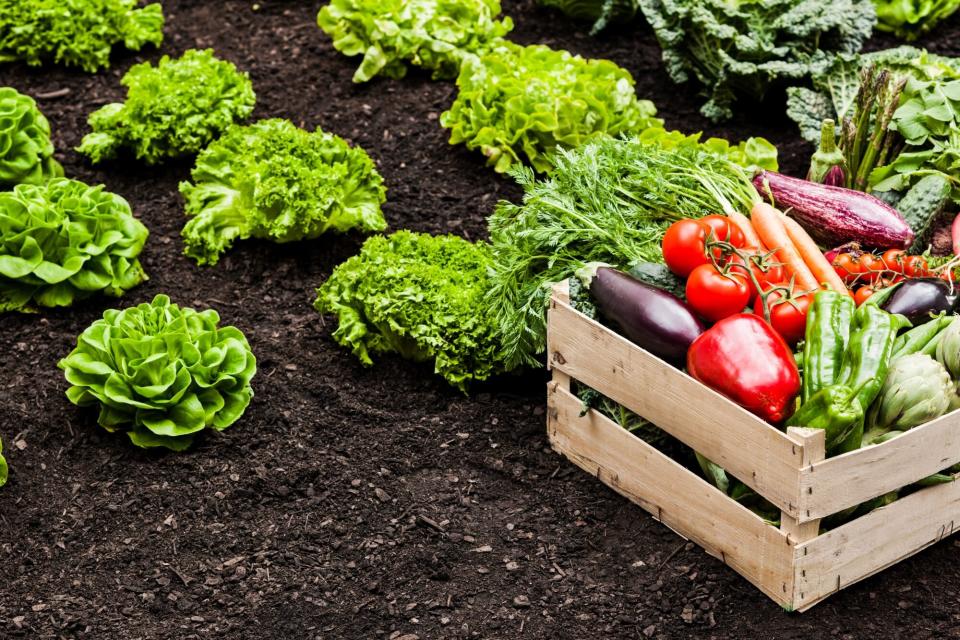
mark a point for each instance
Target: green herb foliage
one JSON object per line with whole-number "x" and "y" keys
{"x": 76, "y": 33}
{"x": 909, "y": 19}
{"x": 64, "y": 240}
{"x": 160, "y": 373}
{"x": 433, "y": 34}
{"x": 26, "y": 153}
{"x": 419, "y": 296}
{"x": 517, "y": 104}
{"x": 275, "y": 181}
{"x": 738, "y": 48}
{"x": 608, "y": 201}
{"x": 600, "y": 12}
{"x": 173, "y": 109}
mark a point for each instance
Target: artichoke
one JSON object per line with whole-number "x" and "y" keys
{"x": 948, "y": 350}
{"x": 26, "y": 153}
{"x": 917, "y": 389}
{"x": 65, "y": 240}
{"x": 161, "y": 373}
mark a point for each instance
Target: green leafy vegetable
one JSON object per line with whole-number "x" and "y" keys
{"x": 62, "y": 241}
{"x": 172, "y": 110}
{"x": 76, "y": 33}
{"x": 738, "y": 48}
{"x": 4, "y": 470}
{"x": 275, "y": 181}
{"x": 600, "y": 12}
{"x": 518, "y": 102}
{"x": 608, "y": 201}
{"x": 419, "y": 296}
{"x": 26, "y": 153}
{"x": 433, "y": 34}
{"x": 160, "y": 373}
{"x": 909, "y": 19}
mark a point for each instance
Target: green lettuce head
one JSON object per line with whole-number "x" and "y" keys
{"x": 64, "y": 240}
{"x": 517, "y": 104}
{"x": 26, "y": 153}
{"x": 275, "y": 181}
{"x": 160, "y": 373}
{"x": 433, "y": 34}
{"x": 173, "y": 109}
{"x": 76, "y": 33}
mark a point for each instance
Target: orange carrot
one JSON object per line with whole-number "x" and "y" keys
{"x": 768, "y": 223}
{"x": 820, "y": 267}
{"x": 743, "y": 223}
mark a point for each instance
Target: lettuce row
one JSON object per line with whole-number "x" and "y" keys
{"x": 517, "y": 104}
{"x": 63, "y": 241}
{"x": 419, "y": 296}
{"x": 173, "y": 109}
{"x": 26, "y": 153}
{"x": 433, "y": 34}
{"x": 76, "y": 33}
{"x": 275, "y": 181}
{"x": 909, "y": 19}
{"x": 160, "y": 373}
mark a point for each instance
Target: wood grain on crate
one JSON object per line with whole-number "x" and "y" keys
{"x": 762, "y": 457}
{"x": 677, "y": 497}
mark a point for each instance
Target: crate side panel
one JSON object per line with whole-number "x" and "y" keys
{"x": 758, "y": 454}
{"x": 675, "y": 496}
{"x": 875, "y": 541}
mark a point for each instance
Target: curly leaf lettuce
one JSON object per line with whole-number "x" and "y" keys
{"x": 910, "y": 19}
{"x": 160, "y": 373}
{"x": 275, "y": 181}
{"x": 433, "y": 34}
{"x": 738, "y": 48}
{"x": 64, "y": 240}
{"x": 517, "y": 104}
{"x": 26, "y": 153}
{"x": 419, "y": 296}
{"x": 173, "y": 109}
{"x": 76, "y": 33}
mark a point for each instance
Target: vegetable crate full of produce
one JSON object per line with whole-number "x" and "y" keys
{"x": 797, "y": 563}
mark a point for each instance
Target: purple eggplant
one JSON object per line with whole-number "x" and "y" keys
{"x": 918, "y": 298}
{"x": 654, "y": 319}
{"x": 834, "y": 215}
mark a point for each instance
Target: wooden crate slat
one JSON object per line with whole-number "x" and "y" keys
{"x": 875, "y": 541}
{"x": 680, "y": 499}
{"x": 834, "y": 484}
{"x": 758, "y": 454}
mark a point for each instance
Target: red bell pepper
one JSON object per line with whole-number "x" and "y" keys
{"x": 743, "y": 358}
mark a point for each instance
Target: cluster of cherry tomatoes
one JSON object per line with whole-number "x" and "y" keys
{"x": 866, "y": 272}
{"x": 725, "y": 275}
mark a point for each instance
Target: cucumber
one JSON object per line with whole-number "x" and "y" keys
{"x": 922, "y": 205}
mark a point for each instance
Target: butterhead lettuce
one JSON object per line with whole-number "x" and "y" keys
{"x": 26, "y": 153}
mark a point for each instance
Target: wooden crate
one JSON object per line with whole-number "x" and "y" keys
{"x": 795, "y": 565}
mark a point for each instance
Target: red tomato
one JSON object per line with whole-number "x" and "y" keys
{"x": 862, "y": 294}
{"x": 946, "y": 275}
{"x": 684, "y": 246}
{"x": 847, "y": 266}
{"x": 788, "y": 314}
{"x": 893, "y": 259}
{"x": 764, "y": 270}
{"x": 871, "y": 267}
{"x": 914, "y": 266}
{"x": 723, "y": 229}
{"x": 715, "y": 295}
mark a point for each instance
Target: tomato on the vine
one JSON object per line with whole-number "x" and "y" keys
{"x": 684, "y": 246}
{"x": 871, "y": 267}
{"x": 862, "y": 293}
{"x": 723, "y": 230}
{"x": 915, "y": 266}
{"x": 764, "y": 269}
{"x": 715, "y": 295}
{"x": 788, "y": 311}
{"x": 847, "y": 266}
{"x": 893, "y": 259}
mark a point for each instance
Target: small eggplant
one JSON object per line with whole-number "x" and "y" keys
{"x": 652, "y": 318}
{"x": 918, "y": 299}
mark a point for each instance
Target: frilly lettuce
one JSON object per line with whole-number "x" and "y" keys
{"x": 909, "y": 19}
{"x": 275, "y": 181}
{"x": 64, "y": 240}
{"x": 160, "y": 373}
{"x": 77, "y": 33}
{"x": 738, "y": 48}
{"x": 433, "y": 34}
{"x": 517, "y": 104}
{"x": 171, "y": 110}
{"x": 419, "y": 296}
{"x": 26, "y": 153}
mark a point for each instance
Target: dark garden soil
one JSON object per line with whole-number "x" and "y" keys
{"x": 356, "y": 502}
